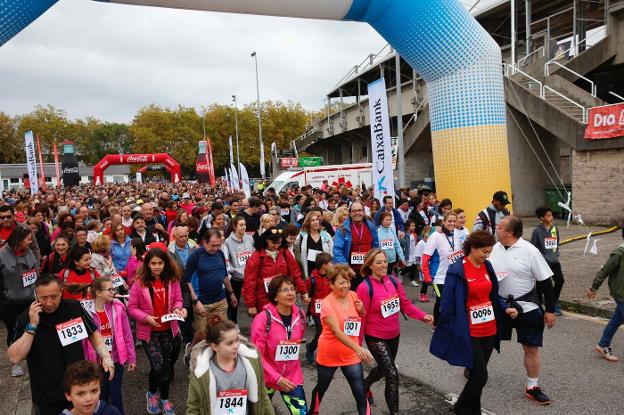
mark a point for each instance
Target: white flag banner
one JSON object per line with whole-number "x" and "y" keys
{"x": 231, "y": 151}
{"x": 245, "y": 180}
{"x": 227, "y": 179}
{"x": 31, "y": 161}
{"x": 235, "y": 181}
{"x": 383, "y": 180}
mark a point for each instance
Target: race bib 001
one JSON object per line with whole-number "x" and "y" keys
{"x": 352, "y": 326}
{"x": 390, "y": 306}
{"x": 29, "y": 278}
{"x": 231, "y": 402}
{"x": 357, "y": 258}
{"x": 71, "y": 331}
{"x": 482, "y": 313}
{"x": 287, "y": 351}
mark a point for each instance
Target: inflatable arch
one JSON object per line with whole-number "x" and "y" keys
{"x": 172, "y": 166}
{"x": 456, "y": 57}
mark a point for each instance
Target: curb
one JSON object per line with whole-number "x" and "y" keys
{"x": 587, "y": 309}
{"x": 581, "y": 237}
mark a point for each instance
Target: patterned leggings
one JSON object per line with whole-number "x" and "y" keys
{"x": 159, "y": 351}
{"x": 295, "y": 400}
{"x": 384, "y": 352}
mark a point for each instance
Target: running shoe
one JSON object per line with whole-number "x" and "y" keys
{"x": 153, "y": 403}
{"x": 17, "y": 371}
{"x": 413, "y": 283}
{"x": 606, "y": 353}
{"x": 423, "y": 298}
{"x": 537, "y": 394}
{"x": 167, "y": 407}
{"x": 558, "y": 312}
{"x": 369, "y": 397}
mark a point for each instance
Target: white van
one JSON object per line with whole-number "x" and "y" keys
{"x": 349, "y": 174}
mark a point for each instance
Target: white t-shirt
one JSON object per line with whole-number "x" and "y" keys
{"x": 413, "y": 243}
{"x": 460, "y": 236}
{"x": 518, "y": 269}
{"x": 445, "y": 246}
{"x": 420, "y": 248}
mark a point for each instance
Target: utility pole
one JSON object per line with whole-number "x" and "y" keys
{"x": 262, "y": 171}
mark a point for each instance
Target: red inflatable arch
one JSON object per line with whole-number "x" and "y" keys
{"x": 172, "y": 166}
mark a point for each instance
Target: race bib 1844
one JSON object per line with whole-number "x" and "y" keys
{"x": 231, "y": 402}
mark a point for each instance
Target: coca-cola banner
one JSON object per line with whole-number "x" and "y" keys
{"x": 605, "y": 122}
{"x": 71, "y": 173}
{"x": 172, "y": 166}
{"x": 202, "y": 167}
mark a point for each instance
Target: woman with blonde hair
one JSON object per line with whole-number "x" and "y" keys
{"x": 101, "y": 260}
{"x": 340, "y": 215}
{"x": 266, "y": 221}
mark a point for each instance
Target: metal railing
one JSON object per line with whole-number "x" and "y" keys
{"x": 522, "y": 61}
{"x": 591, "y": 83}
{"x": 616, "y": 95}
{"x": 514, "y": 70}
{"x": 368, "y": 61}
{"x": 583, "y": 109}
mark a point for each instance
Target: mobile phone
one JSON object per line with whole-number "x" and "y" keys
{"x": 36, "y": 298}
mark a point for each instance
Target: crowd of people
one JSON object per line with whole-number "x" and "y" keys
{"x": 90, "y": 274}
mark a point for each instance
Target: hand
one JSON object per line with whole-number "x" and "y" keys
{"x": 110, "y": 370}
{"x": 549, "y": 319}
{"x": 359, "y": 306}
{"x": 33, "y": 313}
{"x": 182, "y": 313}
{"x": 286, "y": 385}
{"x": 591, "y": 294}
{"x": 233, "y": 300}
{"x": 131, "y": 367}
{"x": 401, "y": 234}
{"x": 364, "y": 355}
{"x": 428, "y": 319}
{"x": 151, "y": 320}
{"x": 511, "y": 312}
{"x": 306, "y": 298}
{"x": 252, "y": 311}
{"x": 199, "y": 309}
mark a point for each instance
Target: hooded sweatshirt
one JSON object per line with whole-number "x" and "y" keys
{"x": 237, "y": 253}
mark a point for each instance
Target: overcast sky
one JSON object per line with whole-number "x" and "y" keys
{"x": 109, "y": 60}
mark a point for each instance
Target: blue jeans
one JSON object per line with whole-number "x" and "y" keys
{"x": 111, "y": 389}
{"x": 616, "y": 321}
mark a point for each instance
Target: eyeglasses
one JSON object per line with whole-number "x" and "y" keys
{"x": 276, "y": 231}
{"x": 6, "y": 217}
{"x": 287, "y": 290}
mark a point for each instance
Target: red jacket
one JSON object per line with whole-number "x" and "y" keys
{"x": 321, "y": 290}
{"x": 260, "y": 266}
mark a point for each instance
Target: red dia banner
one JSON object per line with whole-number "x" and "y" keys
{"x": 210, "y": 163}
{"x": 56, "y": 166}
{"x": 605, "y": 122}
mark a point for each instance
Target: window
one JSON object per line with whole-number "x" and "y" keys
{"x": 364, "y": 151}
{"x": 14, "y": 179}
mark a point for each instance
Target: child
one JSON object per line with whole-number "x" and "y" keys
{"x": 420, "y": 248}
{"x": 137, "y": 250}
{"x": 389, "y": 242}
{"x": 113, "y": 324}
{"x": 226, "y": 371}
{"x": 409, "y": 243}
{"x": 318, "y": 289}
{"x": 81, "y": 384}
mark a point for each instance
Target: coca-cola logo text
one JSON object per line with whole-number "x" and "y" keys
{"x": 70, "y": 170}
{"x": 203, "y": 167}
{"x": 137, "y": 159}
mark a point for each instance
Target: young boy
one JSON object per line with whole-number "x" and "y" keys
{"x": 545, "y": 237}
{"x": 81, "y": 384}
{"x": 318, "y": 289}
{"x": 420, "y": 248}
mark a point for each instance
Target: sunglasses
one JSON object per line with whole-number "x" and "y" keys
{"x": 277, "y": 231}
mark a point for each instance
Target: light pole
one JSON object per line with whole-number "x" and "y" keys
{"x": 262, "y": 172}
{"x": 236, "y": 126}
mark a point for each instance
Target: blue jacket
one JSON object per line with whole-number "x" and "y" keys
{"x": 390, "y": 233}
{"x": 343, "y": 238}
{"x": 120, "y": 254}
{"x": 398, "y": 220}
{"x": 451, "y": 339}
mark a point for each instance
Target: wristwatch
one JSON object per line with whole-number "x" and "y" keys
{"x": 31, "y": 328}
{"x": 195, "y": 301}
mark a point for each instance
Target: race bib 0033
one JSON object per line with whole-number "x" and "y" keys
{"x": 357, "y": 258}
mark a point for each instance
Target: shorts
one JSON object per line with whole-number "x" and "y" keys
{"x": 529, "y": 328}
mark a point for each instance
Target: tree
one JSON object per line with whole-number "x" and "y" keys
{"x": 11, "y": 150}
{"x": 50, "y": 123}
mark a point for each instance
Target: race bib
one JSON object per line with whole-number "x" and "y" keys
{"x": 108, "y": 342}
{"x": 357, "y": 258}
{"x": 267, "y": 281}
{"x": 87, "y": 304}
{"x": 390, "y": 306}
{"x": 231, "y": 402}
{"x": 387, "y": 244}
{"x": 481, "y": 313}
{"x": 550, "y": 243}
{"x": 250, "y": 233}
{"x": 243, "y": 257}
{"x": 317, "y": 306}
{"x": 117, "y": 281}
{"x": 312, "y": 253}
{"x": 71, "y": 331}
{"x": 287, "y": 351}
{"x": 352, "y": 326}
{"x": 455, "y": 256}
{"x": 170, "y": 317}
{"x": 299, "y": 216}
{"x": 284, "y": 212}
{"x": 29, "y": 278}
{"x": 501, "y": 275}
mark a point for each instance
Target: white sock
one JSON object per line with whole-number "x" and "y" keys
{"x": 531, "y": 383}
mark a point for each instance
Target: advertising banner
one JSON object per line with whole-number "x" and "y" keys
{"x": 310, "y": 161}
{"x": 245, "y": 180}
{"x": 383, "y": 181}
{"x": 211, "y": 171}
{"x": 235, "y": 180}
{"x": 57, "y": 167}
{"x": 288, "y": 162}
{"x": 201, "y": 164}
{"x": 71, "y": 172}
{"x": 605, "y": 122}
{"x": 231, "y": 150}
{"x": 31, "y": 162}
{"x": 41, "y": 169}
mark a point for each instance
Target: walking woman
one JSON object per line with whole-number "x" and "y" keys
{"x": 78, "y": 276}
{"x": 101, "y": 260}
{"x": 55, "y": 262}
{"x": 468, "y": 328}
{"x": 339, "y": 344}
{"x": 156, "y": 294}
{"x": 384, "y": 297}
{"x": 120, "y": 250}
{"x": 226, "y": 374}
{"x": 312, "y": 240}
{"x": 277, "y": 333}
{"x": 237, "y": 248}
{"x": 18, "y": 273}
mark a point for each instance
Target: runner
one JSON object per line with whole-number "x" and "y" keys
{"x": 389, "y": 242}
{"x": 180, "y": 250}
{"x": 78, "y": 275}
{"x": 312, "y": 241}
{"x": 278, "y": 332}
{"x": 318, "y": 289}
{"x": 237, "y": 248}
{"x": 461, "y": 232}
{"x": 491, "y": 216}
{"x": 55, "y": 262}
{"x": 101, "y": 260}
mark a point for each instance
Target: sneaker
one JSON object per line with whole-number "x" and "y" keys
{"x": 153, "y": 403}
{"x": 558, "y": 312}
{"x": 606, "y": 353}
{"x": 167, "y": 407}
{"x": 17, "y": 371}
{"x": 369, "y": 397}
{"x": 423, "y": 298}
{"x": 537, "y": 395}
{"x": 414, "y": 284}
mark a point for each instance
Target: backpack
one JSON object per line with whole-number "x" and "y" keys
{"x": 488, "y": 218}
{"x": 370, "y": 289}
{"x": 270, "y": 320}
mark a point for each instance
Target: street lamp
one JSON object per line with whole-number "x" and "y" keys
{"x": 262, "y": 172}
{"x": 236, "y": 126}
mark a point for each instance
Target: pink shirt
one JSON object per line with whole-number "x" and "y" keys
{"x": 375, "y": 324}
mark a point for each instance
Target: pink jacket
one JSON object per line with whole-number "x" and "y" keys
{"x": 131, "y": 269}
{"x": 140, "y": 306}
{"x": 375, "y": 324}
{"x": 123, "y": 342}
{"x": 267, "y": 345}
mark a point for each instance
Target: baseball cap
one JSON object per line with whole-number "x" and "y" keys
{"x": 186, "y": 196}
{"x": 501, "y": 197}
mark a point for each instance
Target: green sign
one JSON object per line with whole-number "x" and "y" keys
{"x": 310, "y": 161}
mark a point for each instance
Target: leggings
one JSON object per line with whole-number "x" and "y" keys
{"x": 159, "y": 351}
{"x": 11, "y": 312}
{"x": 384, "y": 352}
{"x": 469, "y": 401}
{"x": 318, "y": 330}
{"x": 294, "y": 400}
{"x": 437, "y": 288}
{"x": 111, "y": 389}
{"x": 355, "y": 376}
{"x": 232, "y": 312}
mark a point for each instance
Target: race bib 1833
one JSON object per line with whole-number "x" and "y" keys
{"x": 71, "y": 331}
